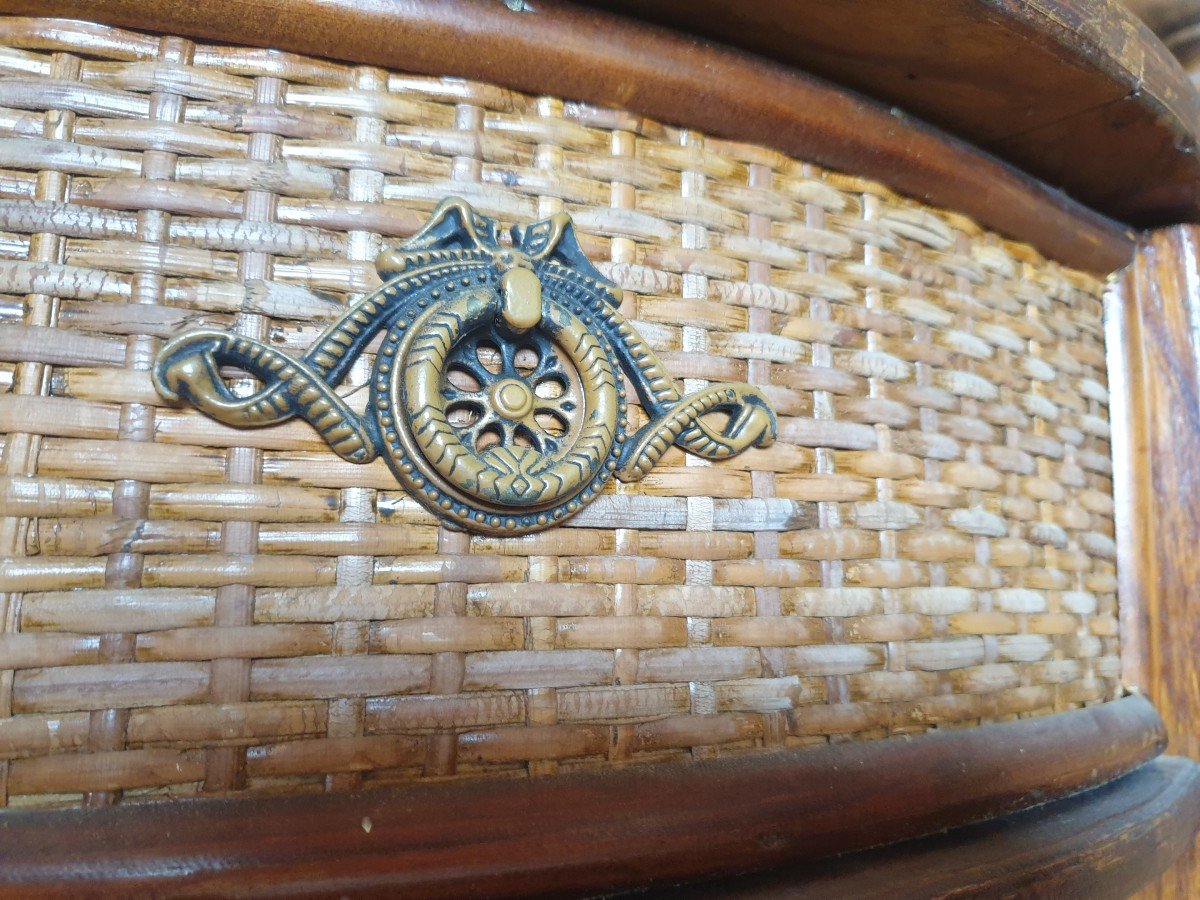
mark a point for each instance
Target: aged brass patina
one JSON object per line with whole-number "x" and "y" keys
{"x": 497, "y": 396}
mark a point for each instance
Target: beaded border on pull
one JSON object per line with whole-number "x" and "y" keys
{"x": 505, "y": 447}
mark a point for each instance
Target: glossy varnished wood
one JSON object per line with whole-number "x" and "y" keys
{"x": 597, "y": 57}
{"x": 1100, "y": 845}
{"x": 584, "y": 832}
{"x": 1079, "y": 92}
{"x": 1154, "y": 341}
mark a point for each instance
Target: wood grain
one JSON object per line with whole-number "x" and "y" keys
{"x": 1100, "y": 845}
{"x": 578, "y": 833}
{"x": 1034, "y": 81}
{"x": 1154, "y": 340}
{"x": 603, "y": 59}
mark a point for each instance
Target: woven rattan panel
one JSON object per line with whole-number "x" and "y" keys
{"x": 929, "y": 544}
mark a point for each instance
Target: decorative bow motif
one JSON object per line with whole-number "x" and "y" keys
{"x": 497, "y": 396}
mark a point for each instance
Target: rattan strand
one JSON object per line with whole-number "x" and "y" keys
{"x": 193, "y": 608}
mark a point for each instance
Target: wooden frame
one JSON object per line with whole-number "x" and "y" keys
{"x": 604, "y": 59}
{"x": 1154, "y": 370}
{"x": 581, "y": 833}
{"x": 790, "y": 807}
{"x": 1106, "y": 843}
{"x": 1091, "y": 75}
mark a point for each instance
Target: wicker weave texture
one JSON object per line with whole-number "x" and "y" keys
{"x": 193, "y": 608}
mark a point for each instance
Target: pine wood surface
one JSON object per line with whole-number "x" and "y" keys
{"x": 197, "y": 609}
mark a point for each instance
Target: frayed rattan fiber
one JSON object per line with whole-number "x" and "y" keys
{"x": 197, "y": 609}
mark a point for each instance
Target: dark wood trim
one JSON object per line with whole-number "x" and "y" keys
{"x": 1079, "y": 93}
{"x": 579, "y": 833}
{"x": 601, "y": 58}
{"x": 1100, "y": 845}
{"x": 1154, "y": 339}
{"x": 1154, "y": 383}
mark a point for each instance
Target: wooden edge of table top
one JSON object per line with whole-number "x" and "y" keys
{"x": 1080, "y": 93}
{"x": 1103, "y": 843}
{"x": 582, "y": 832}
{"x": 596, "y": 57}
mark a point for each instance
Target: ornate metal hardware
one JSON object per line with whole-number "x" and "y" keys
{"x": 497, "y": 397}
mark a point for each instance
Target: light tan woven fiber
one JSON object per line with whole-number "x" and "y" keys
{"x": 193, "y": 608}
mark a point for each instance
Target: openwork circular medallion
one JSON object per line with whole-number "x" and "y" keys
{"x": 497, "y": 395}
{"x": 499, "y": 430}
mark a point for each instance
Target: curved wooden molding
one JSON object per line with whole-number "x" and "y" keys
{"x": 597, "y": 57}
{"x": 1078, "y": 92}
{"x": 580, "y": 833}
{"x": 1104, "y": 844}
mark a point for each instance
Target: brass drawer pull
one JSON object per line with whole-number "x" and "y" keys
{"x": 497, "y": 396}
